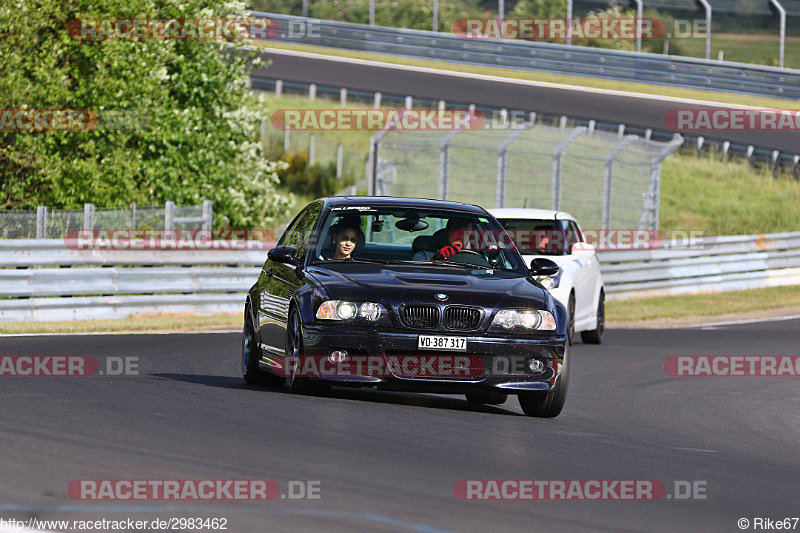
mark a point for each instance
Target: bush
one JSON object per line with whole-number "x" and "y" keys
{"x": 198, "y": 136}
{"x": 318, "y": 179}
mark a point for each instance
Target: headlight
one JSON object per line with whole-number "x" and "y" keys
{"x": 344, "y": 310}
{"x": 509, "y": 319}
{"x": 550, "y": 282}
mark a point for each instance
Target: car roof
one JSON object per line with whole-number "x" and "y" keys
{"x": 531, "y": 214}
{"x": 396, "y": 201}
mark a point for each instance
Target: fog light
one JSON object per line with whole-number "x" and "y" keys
{"x": 537, "y": 366}
{"x": 337, "y": 355}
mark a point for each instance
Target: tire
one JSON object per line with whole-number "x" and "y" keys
{"x": 548, "y": 404}
{"x": 489, "y": 397}
{"x": 294, "y": 348}
{"x": 595, "y": 336}
{"x": 571, "y": 318}
{"x": 251, "y": 373}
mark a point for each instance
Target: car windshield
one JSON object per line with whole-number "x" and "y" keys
{"x": 540, "y": 236}
{"x": 434, "y": 237}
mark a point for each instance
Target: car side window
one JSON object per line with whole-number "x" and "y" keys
{"x": 299, "y": 233}
{"x": 574, "y": 234}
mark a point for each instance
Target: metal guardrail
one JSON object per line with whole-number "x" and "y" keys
{"x": 29, "y": 293}
{"x": 119, "y": 283}
{"x": 705, "y": 265}
{"x": 548, "y": 57}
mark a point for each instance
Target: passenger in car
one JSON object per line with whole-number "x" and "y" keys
{"x": 345, "y": 239}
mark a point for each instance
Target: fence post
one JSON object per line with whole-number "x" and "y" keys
{"x": 312, "y": 148}
{"x": 133, "y": 215}
{"x": 707, "y": 7}
{"x": 782, "y": 45}
{"x": 312, "y": 91}
{"x": 342, "y": 97}
{"x": 88, "y": 216}
{"x": 608, "y": 176}
{"x": 41, "y": 221}
{"x": 208, "y": 215}
{"x": 377, "y": 100}
{"x": 502, "y": 162}
{"x": 409, "y": 102}
{"x": 569, "y": 22}
{"x": 278, "y": 87}
{"x": 169, "y": 215}
{"x": 444, "y": 163}
{"x": 372, "y": 162}
{"x": 286, "y": 141}
{"x": 555, "y": 201}
{"x": 339, "y": 159}
{"x": 435, "y": 15}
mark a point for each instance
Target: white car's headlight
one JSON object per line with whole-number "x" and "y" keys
{"x": 344, "y": 310}
{"x": 509, "y": 319}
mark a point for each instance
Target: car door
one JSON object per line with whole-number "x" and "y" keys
{"x": 278, "y": 282}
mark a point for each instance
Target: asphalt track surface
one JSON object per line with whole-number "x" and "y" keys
{"x": 639, "y": 111}
{"x": 389, "y": 461}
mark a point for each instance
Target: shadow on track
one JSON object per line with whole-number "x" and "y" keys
{"x": 414, "y": 399}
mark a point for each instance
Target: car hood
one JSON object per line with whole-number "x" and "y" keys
{"x": 397, "y": 283}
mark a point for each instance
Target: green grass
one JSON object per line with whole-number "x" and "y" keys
{"x": 758, "y": 48}
{"x": 599, "y": 83}
{"x": 726, "y": 198}
{"x": 156, "y": 322}
{"x": 703, "y": 305}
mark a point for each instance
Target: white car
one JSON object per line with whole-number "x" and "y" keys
{"x": 578, "y": 285}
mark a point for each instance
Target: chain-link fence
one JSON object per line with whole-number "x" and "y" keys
{"x": 349, "y": 162}
{"x": 604, "y": 179}
{"x": 45, "y": 223}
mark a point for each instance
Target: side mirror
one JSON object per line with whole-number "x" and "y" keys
{"x": 284, "y": 254}
{"x": 583, "y": 249}
{"x": 543, "y": 267}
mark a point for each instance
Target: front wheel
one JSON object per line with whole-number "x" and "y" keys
{"x": 251, "y": 373}
{"x": 595, "y": 336}
{"x": 548, "y": 404}
{"x": 294, "y": 349}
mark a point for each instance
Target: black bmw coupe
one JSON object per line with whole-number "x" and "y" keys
{"x": 406, "y": 294}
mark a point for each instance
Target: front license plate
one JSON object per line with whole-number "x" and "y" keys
{"x": 441, "y": 342}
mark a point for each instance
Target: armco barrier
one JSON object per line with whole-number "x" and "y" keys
{"x": 706, "y": 265}
{"x": 101, "y": 284}
{"x": 119, "y": 284}
{"x": 547, "y": 57}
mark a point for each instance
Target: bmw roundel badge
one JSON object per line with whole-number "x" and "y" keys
{"x": 441, "y": 297}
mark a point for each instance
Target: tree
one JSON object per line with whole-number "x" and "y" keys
{"x": 184, "y": 128}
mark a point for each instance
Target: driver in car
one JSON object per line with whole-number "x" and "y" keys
{"x": 454, "y": 241}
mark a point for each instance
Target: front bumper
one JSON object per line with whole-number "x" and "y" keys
{"x": 502, "y": 361}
